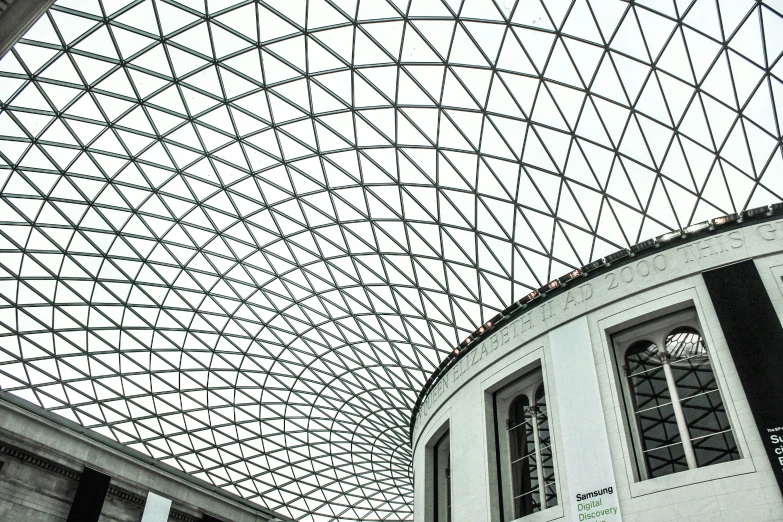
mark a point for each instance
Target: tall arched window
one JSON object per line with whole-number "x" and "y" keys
{"x": 654, "y": 410}
{"x": 442, "y": 479}
{"x": 702, "y": 405}
{"x": 527, "y": 467}
{"x": 680, "y": 419}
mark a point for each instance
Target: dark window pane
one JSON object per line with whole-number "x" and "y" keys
{"x": 527, "y": 504}
{"x": 645, "y": 376}
{"x": 527, "y": 471}
{"x": 517, "y": 411}
{"x": 649, "y": 389}
{"x": 551, "y": 495}
{"x": 658, "y": 427}
{"x": 522, "y": 425}
{"x": 715, "y": 449}
{"x": 518, "y": 429}
{"x": 524, "y": 475}
{"x": 665, "y": 461}
{"x": 641, "y": 357}
{"x": 693, "y": 376}
{"x": 705, "y": 414}
{"x": 547, "y": 463}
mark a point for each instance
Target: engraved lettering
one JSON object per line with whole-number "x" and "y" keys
{"x": 570, "y": 301}
{"x": 688, "y": 253}
{"x": 527, "y": 322}
{"x": 546, "y": 310}
{"x": 719, "y": 241}
{"x": 643, "y": 268}
{"x": 706, "y": 248}
{"x": 735, "y": 239}
{"x": 587, "y": 291}
{"x": 513, "y": 332}
{"x": 766, "y": 231}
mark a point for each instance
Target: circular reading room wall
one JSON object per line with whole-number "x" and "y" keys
{"x": 639, "y": 387}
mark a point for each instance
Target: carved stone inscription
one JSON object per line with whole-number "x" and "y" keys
{"x": 510, "y": 335}
{"x": 710, "y": 246}
{"x": 632, "y": 277}
{"x": 770, "y": 231}
{"x": 636, "y": 271}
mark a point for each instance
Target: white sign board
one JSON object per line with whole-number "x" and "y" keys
{"x": 156, "y": 509}
{"x": 588, "y": 463}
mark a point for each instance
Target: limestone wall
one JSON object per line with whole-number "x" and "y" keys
{"x": 667, "y": 280}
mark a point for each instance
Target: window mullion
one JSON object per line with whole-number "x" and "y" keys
{"x": 682, "y": 425}
{"x": 534, "y": 412}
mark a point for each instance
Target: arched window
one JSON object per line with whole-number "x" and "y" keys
{"x": 702, "y": 404}
{"x": 530, "y": 454}
{"x": 654, "y": 411}
{"x": 526, "y": 478}
{"x": 679, "y": 413}
{"x": 442, "y": 479}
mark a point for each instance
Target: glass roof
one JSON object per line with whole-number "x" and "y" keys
{"x": 238, "y": 236}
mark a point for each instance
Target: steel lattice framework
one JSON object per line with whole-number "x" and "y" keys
{"x": 237, "y": 236}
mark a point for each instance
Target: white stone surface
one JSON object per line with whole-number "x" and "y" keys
{"x": 670, "y": 280}
{"x": 588, "y": 460}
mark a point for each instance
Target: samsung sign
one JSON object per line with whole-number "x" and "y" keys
{"x": 588, "y": 463}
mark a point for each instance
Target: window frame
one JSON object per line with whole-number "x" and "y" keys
{"x": 441, "y": 479}
{"x": 438, "y": 432}
{"x": 656, "y": 330}
{"x": 525, "y": 384}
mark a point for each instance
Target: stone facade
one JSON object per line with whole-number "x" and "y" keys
{"x": 42, "y": 462}
{"x": 639, "y": 290}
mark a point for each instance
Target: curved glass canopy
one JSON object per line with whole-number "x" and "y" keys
{"x": 237, "y": 236}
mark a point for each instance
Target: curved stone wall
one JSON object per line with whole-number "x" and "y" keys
{"x": 569, "y": 338}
